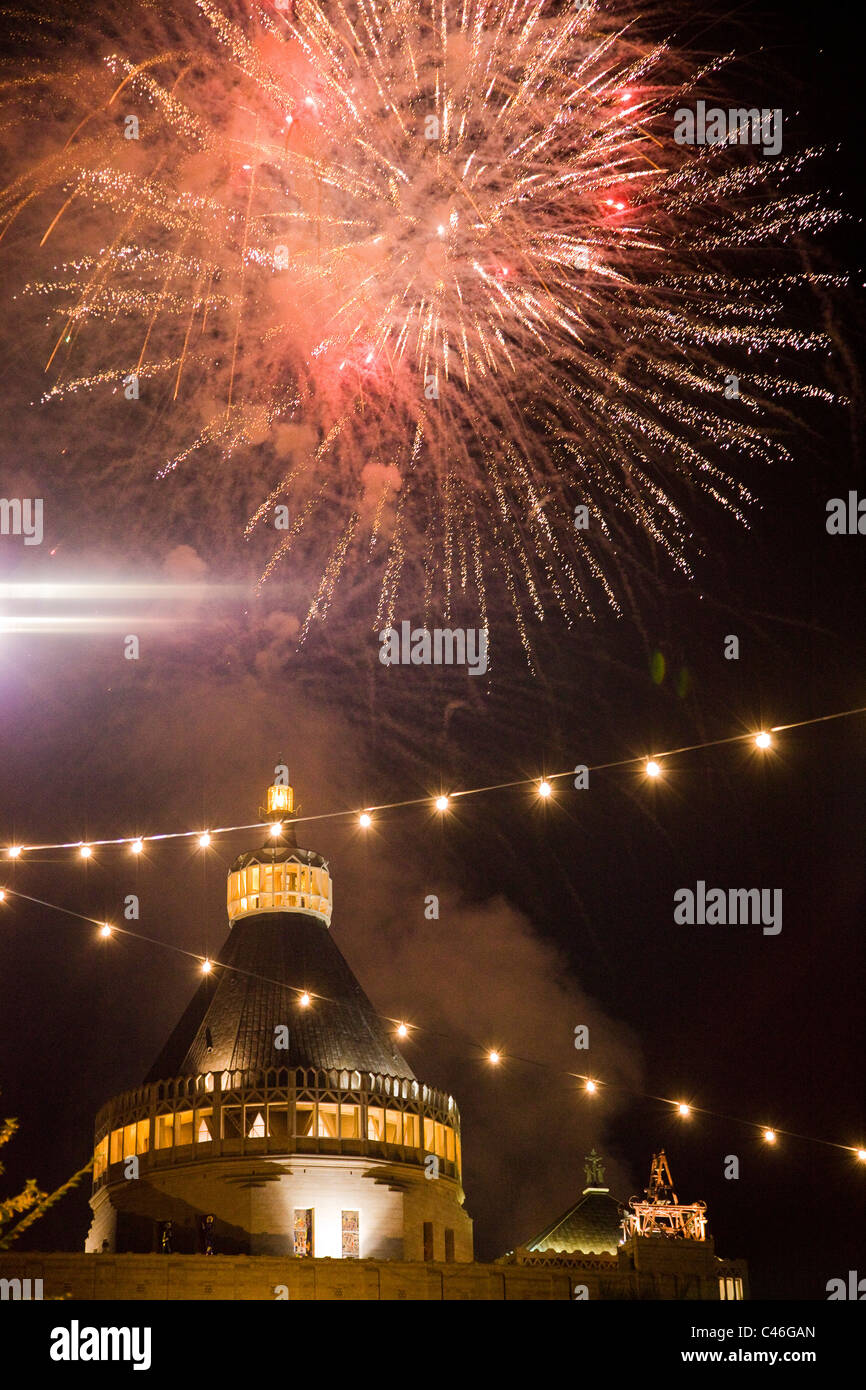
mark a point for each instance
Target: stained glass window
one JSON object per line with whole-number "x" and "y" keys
{"x": 351, "y": 1236}
{"x": 303, "y": 1230}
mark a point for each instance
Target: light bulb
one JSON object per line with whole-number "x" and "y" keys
{"x": 365, "y": 820}
{"x": 544, "y": 789}
{"x": 442, "y": 803}
{"x": 763, "y": 740}
{"x": 276, "y": 829}
{"x": 684, "y": 1110}
{"x": 137, "y": 846}
{"x": 105, "y": 929}
{"x": 770, "y": 1136}
{"x": 402, "y": 1031}
{"x": 85, "y": 851}
{"x": 493, "y": 1057}
{"x": 591, "y": 1087}
{"x": 206, "y": 967}
{"x": 14, "y": 851}
{"x": 304, "y": 1000}
{"x": 652, "y": 768}
{"x": 204, "y": 840}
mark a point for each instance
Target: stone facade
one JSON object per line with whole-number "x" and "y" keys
{"x": 644, "y": 1268}
{"x": 179, "y": 1277}
{"x": 253, "y": 1201}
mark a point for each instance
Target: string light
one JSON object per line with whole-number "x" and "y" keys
{"x": 770, "y": 1136}
{"x": 652, "y": 767}
{"x": 136, "y": 846}
{"x": 402, "y": 1030}
{"x": 85, "y": 851}
{"x": 276, "y": 829}
{"x": 2, "y": 895}
{"x": 493, "y": 1056}
{"x": 544, "y": 789}
{"x": 365, "y": 820}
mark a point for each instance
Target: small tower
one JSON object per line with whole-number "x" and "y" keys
{"x": 668, "y": 1252}
{"x": 280, "y": 1116}
{"x": 661, "y": 1214}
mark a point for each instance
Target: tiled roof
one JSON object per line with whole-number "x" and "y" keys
{"x": 592, "y": 1225}
{"x": 230, "y": 1022}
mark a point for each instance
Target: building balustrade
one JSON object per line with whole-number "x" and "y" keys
{"x": 279, "y": 1111}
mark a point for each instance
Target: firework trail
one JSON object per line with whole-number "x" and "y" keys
{"x": 435, "y": 274}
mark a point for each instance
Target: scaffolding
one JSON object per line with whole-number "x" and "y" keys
{"x": 662, "y": 1214}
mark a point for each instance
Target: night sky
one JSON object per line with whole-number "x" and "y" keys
{"x": 552, "y": 914}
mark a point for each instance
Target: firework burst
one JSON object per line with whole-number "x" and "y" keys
{"x": 435, "y": 274}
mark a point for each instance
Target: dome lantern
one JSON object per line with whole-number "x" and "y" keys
{"x": 280, "y": 797}
{"x": 279, "y": 877}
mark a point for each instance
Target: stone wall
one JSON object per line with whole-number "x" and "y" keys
{"x": 643, "y": 1268}
{"x": 253, "y": 1203}
{"x": 179, "y": 1277}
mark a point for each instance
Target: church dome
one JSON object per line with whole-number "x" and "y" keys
{"x": 280, "y": 1112}
{"x": 280, "y": 993}
{"x": 232, "y": 1022}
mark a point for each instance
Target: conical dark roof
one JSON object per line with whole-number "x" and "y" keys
{"x": 593, "y": 1225}
{"x": 230, "y": 1022}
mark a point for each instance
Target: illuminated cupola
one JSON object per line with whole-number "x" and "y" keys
{"x": 280, "y": 1116}
{"x": 279, "y": 877}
